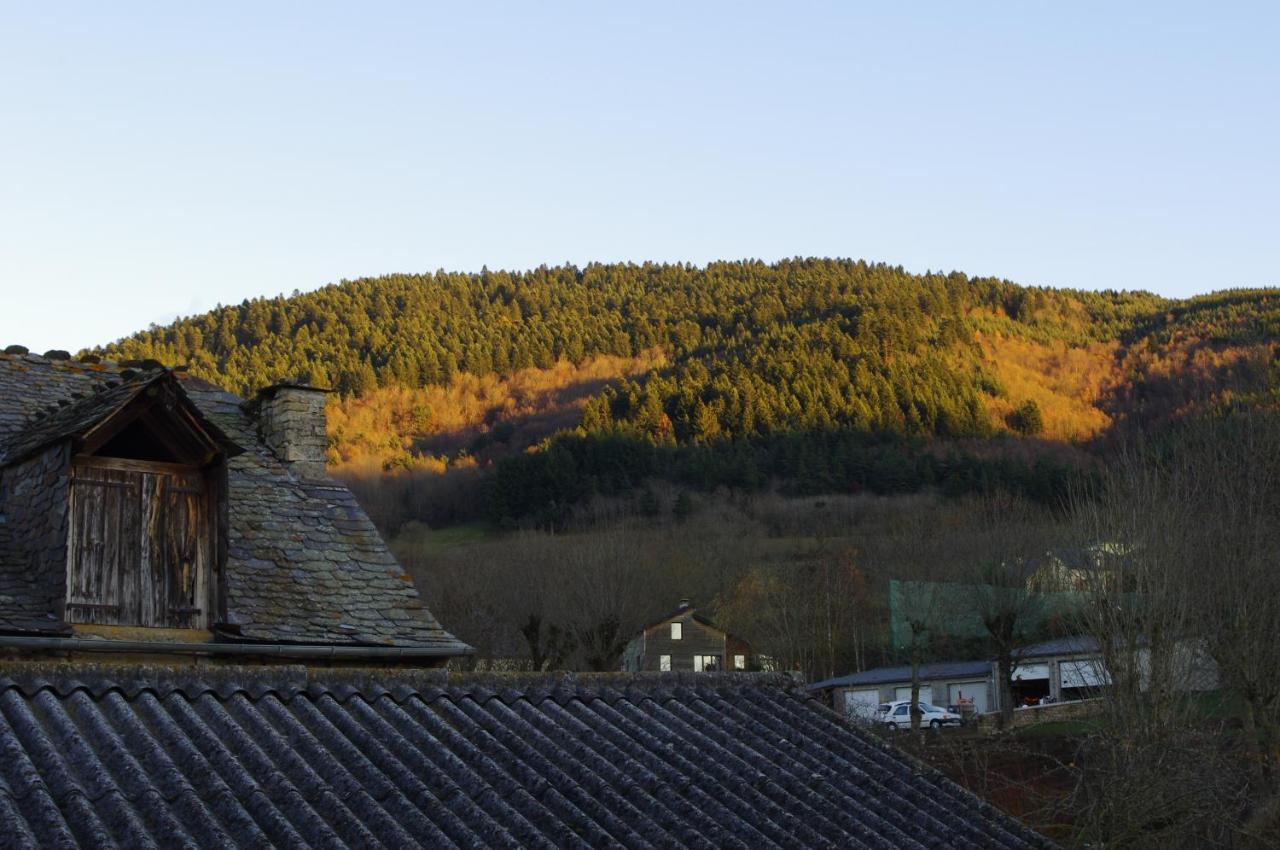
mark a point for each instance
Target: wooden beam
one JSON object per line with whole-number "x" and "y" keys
{"x": 126, "y": 465}
{"x": 100, "y": 434}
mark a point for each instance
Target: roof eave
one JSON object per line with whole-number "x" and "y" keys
{"x": 308, "y": 651}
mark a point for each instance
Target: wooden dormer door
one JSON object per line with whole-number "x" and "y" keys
{"x": 141, "y": 544}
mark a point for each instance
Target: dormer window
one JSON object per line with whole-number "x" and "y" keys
{"x": 141, "y": 543}
{"x": 145, "y": 501}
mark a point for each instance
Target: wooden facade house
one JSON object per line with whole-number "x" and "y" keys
{"x": 686, "y": 641}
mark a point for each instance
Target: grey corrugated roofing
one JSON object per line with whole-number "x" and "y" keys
{"x": 305, "y": 564}
{"x": 887, "y": 675}
{"x": 1078, "y": 645}
{"x": 244, "y": 757}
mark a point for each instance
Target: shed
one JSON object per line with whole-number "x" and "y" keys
{"x": 948, "y": 683}
{"x": 1057, "y": 670}
{"x": 1072, "y": 668}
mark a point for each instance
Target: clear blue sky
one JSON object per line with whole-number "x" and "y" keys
{"x": 157, "y": 160}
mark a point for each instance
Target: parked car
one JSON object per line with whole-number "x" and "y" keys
{"x": 896, "y": 715}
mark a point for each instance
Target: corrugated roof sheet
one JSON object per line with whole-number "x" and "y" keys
{"x": 243, "y": 757}
{"x": 887, "y": 675}
{"x": 1078, "y": 645}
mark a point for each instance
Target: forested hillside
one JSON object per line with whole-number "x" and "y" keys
{"x": 831, "y": 374}
{"x": 753, "y": 347}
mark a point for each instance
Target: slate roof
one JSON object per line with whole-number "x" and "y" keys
{"x": 1078, "y": 645}
{"x": 257, "y": 757}
{"x": 888, "y": 675}
{"x": 305, "y": 564}
{"x": 70, "y": 418}
{"x": 26, "y": 599}
{"x": 73, "y": 419}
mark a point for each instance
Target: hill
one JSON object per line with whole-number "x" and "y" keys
{"x": 825, "y": 374}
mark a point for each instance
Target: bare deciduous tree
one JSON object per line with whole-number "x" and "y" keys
{"x": 1011, "y": 544}
{"x": 1189, "y": 594}
{"x": 807, "y": 616}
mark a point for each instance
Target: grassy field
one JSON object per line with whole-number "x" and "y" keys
{"x": 420, "y": 541}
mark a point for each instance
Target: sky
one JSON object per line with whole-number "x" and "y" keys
{"x": 160, "y": 159}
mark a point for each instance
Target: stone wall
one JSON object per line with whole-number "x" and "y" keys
{"x": 1051, "y": 712}
{"x": 292, "y": 423}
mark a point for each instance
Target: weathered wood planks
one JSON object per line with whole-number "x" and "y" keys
{"x": 141, "y": 546}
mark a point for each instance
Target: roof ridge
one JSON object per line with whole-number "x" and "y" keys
{"x": 87, "y": 362}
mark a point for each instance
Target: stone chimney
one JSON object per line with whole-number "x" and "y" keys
{"x": 291, "y": 421}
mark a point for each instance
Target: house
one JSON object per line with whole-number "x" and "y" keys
{"x": 1077, "y": 569}
{"x": 965, "y": 685}
{"x": 145, "y": 510}
{"x": 205, "y": 643}
{"x": 685, "y": 640}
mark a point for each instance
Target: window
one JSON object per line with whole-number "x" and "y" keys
{"x": 705, "y": 663}
{"x": 664, "y": 663}
{"x": 677, "y": 631}
{"x": 739, "y": 662}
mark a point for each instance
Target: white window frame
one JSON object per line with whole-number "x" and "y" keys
{"x": 739, "y": 662}
{"x": 700, "y": 662}
{"x": 664, "y": 663}
{"x": 677, "y": 631}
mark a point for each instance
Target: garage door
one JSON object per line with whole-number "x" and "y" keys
{"x": 860, "y": 705}
{"x": 1083, "y": 674}
{"x": 974, "y": 691}
{"x": 1030, "y": 672}
{"x": 926, "y": 693}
